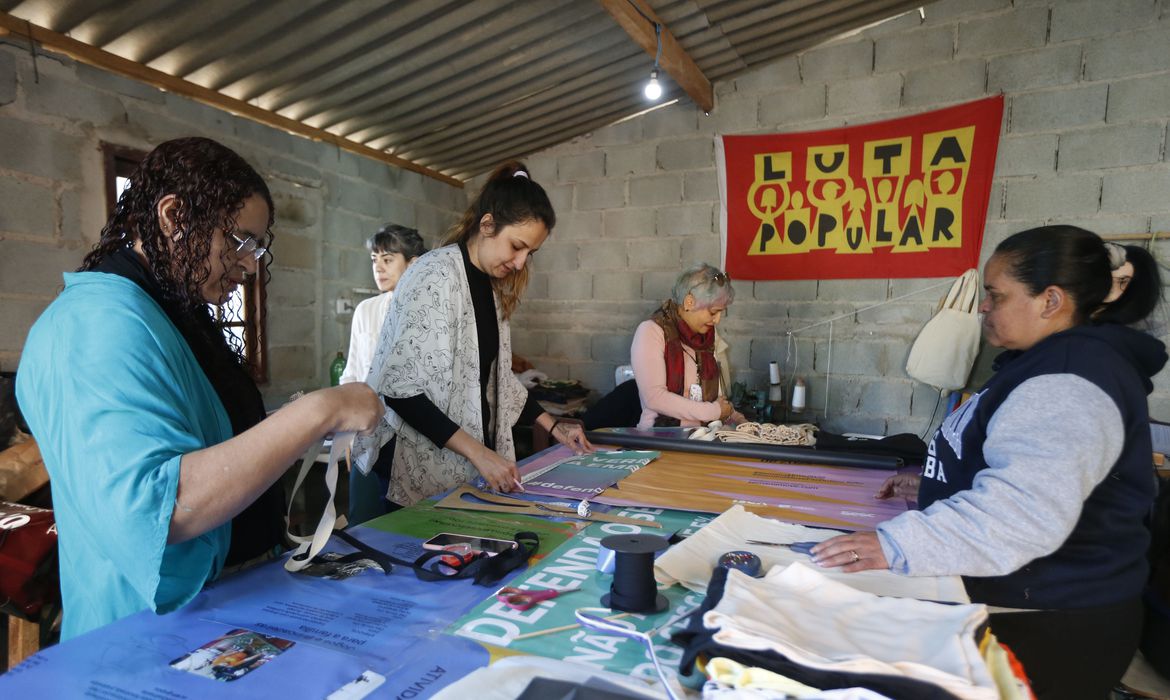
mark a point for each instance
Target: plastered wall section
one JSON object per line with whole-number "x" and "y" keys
{"x": 1087, "y": 87}
{"x": 55, "y": 115}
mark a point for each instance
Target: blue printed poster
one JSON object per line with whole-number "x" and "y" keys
{"x": 269, "y": 633}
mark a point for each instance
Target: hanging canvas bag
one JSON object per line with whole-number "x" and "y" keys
{"x": 945, "y": 349}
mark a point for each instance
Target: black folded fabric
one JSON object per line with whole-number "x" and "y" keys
{"x": 485, "y": 570}
{"x": 908, "y": 446}
{"x": 558, "y": 391}
{"x": 620, "y": 408}
{"x": 698, "y": 641}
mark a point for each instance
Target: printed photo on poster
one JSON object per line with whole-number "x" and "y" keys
{"x": 232, "y": 656}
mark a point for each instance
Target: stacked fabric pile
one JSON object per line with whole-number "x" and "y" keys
{"x": 798, "y": 626}
{"x": 825, "y": 634}
{"x": 560, "y": 397}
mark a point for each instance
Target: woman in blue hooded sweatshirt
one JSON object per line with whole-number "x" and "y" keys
{"x": 1037, "y": 490}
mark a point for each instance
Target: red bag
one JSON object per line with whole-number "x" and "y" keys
{"x": 28, "y": 560}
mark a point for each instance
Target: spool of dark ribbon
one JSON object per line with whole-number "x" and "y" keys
{"x": 633, "y": 588}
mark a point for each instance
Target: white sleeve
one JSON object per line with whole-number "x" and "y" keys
{"x": 359, "y": 350}
{"x": 1048, "y": 445}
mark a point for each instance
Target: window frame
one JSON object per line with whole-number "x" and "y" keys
{"x": 121, "y": 161}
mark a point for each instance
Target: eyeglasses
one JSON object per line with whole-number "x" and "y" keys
{"x": 721, "y": 279}
{"x": 248, "y": 245}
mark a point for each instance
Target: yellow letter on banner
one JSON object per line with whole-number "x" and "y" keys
{"x": 946, "y": 161}
{"x": 829, "y": 188}
{"x": 885, "y": 166}
{"x": 767, "y": 199}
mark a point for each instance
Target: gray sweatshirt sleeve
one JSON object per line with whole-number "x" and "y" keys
{"x": 1048, "y": 445}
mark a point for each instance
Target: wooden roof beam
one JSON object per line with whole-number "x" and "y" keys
{"x": 116, "y": 64}
{"x": 675, "y": 60}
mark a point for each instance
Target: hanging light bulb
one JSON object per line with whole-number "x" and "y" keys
{"x": 653, "y": 88}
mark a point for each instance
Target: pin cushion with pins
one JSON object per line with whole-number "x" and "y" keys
{"x": 743, "y": 561}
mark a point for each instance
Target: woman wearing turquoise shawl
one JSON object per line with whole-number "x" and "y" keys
{"x": 160, "y": 458}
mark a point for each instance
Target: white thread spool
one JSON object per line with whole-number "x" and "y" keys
{"x": 773, "y": 372}
{"x": 798, "y": 395}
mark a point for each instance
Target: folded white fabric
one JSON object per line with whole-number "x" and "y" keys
{"x": 691, "y": 562}
{"x": 717, "y": 691}
{"x": 730, "y": 679}
{"x": 819, "y": 623}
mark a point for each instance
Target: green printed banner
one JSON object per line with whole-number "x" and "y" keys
{"x": 423, "y": 520}
{"x": 573, "y": 567}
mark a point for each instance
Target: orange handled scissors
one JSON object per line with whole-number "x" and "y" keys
{"x": 520, "y": 599}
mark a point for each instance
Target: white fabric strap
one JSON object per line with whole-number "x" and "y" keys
{"x": 311, "y": 546}
{"x": 964, "y": 292}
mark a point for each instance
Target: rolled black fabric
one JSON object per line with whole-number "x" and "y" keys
{"x": 634, "y": 588}
{"x": 782, "y": 453}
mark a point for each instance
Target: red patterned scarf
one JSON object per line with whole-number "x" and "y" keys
{"x": 678, "y": 334}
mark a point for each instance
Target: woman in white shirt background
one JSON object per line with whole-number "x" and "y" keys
{"x": 392, "y": 249}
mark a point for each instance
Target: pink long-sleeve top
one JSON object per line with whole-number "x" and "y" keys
{"x": 647, "y": 355}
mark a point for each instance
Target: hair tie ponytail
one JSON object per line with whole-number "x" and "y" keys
{"x": 1116, "y": 253}
{"x": 508, "y": 202}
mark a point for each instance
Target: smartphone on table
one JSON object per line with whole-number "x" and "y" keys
{"x": 485, "y": 546}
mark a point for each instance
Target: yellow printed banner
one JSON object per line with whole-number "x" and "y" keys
{"x": 900, "y": 198}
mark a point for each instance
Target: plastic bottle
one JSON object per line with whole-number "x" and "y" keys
{"x": 336, "y": 369}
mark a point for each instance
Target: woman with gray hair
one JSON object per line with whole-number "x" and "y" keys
{"x": 679, "y": 360}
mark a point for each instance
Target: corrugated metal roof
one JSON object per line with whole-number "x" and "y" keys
{"x": 453, "y": 85}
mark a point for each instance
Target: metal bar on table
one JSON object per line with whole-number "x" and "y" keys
{"x": 784, "y": 453}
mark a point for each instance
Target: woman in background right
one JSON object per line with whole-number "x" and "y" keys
{"x": 1038, "y": 489}
{"x": 680, "y": 362}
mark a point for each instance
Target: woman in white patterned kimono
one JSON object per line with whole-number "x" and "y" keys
{"x": 443, "y": 363}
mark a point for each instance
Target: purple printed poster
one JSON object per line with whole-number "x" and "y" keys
{"x": 562, "y": 474}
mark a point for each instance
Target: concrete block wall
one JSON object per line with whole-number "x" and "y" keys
{"x": 1087, "y": 86}
{"x": 52, "y": 203}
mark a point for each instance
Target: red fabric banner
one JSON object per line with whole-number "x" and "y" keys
{"x": 900, "y": 198}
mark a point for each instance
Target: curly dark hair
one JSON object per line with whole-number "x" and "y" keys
{"x": 210, "y": 182}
